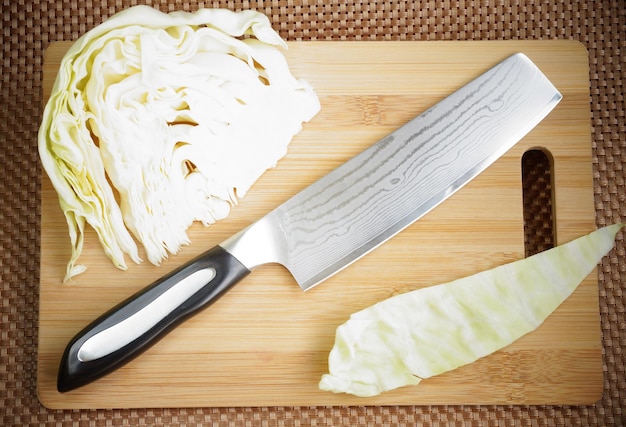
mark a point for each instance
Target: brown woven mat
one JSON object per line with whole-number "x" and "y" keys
{"x": 28, "y": 28}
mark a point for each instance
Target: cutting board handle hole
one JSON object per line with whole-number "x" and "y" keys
{"x": 538, "y": 207}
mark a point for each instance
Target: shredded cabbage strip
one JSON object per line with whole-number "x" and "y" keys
{"x": 422, "y": 333}
{"x": 158, "y": 120}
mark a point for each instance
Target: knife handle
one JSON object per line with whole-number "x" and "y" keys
{"x": 137, "y": 323}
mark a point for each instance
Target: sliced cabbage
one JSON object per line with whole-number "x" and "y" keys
{"x": 159, "y": 120}
{"x": 426, "y": 332}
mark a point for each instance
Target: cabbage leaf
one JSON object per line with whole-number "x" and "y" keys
{"x": 158, "y": 120}
{"x": 422, "y": 333}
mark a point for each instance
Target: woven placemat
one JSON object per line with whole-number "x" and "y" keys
{"x": 28, "y": 27}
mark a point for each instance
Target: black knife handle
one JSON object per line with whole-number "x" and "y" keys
{"x": 137, "y": 323}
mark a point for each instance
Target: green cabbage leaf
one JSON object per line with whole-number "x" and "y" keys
{"x": 426, "y": 332}
{"x": 158, "y": 120}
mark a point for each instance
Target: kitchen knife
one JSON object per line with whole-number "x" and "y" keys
{"x": 336, "y": 220}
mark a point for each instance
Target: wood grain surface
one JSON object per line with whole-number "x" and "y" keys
{"x": 266, "y": 342}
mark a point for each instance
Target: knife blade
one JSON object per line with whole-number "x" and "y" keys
{"x": 336, "y": 220}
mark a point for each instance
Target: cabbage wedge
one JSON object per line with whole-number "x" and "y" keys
{"x": 426, "y": 332}
{"x": 158, "y": 120}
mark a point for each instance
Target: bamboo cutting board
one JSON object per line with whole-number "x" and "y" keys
{"x": 266, "y": 342}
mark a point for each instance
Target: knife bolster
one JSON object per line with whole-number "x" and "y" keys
{"x": 263, "y": 242}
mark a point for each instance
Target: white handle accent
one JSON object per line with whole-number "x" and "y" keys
{"x": 123, "y": 333}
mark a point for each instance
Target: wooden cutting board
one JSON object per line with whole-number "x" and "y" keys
{"x": 266, "y": 342}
